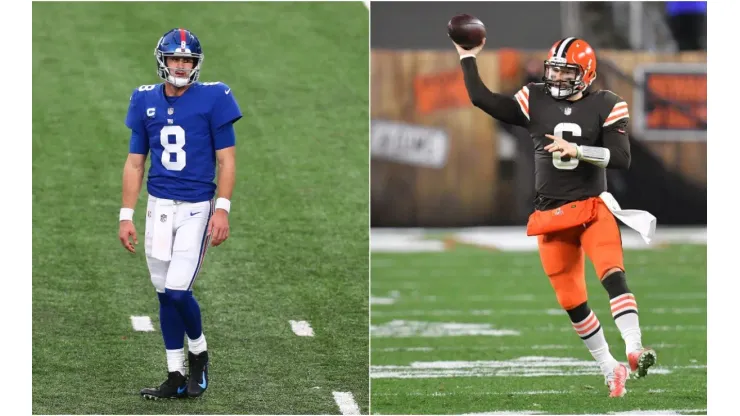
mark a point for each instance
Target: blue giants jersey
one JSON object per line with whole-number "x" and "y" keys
{"x": 181, "y": 135}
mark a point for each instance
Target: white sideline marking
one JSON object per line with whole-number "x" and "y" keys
{"x": 142, "y": 323}
{"x": 405, "y": 245}
{"x": 677, "y": 311}
{"x": 675, "y": 296}
{"x": 489, "y": 312}
{"x": 301, "y": 328}
{"x": 498, "y": 393}
{"x": 515, "y": 238}
{"x": 656, "y": 328}
{"x": 346, "y": 403}
{"x": 400, "y": 349}
{"x": 659, "y": 346}
{"x": 405, "y": 329}
{"x": 375, "y": 300}
{"x": 533, "y": 366}
{"x": 509, "y": 298}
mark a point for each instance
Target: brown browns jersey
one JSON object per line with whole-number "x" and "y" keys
{"x": 583, "y": 122}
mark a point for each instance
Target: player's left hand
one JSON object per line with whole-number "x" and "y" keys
{"x": 561, "y": 145}
{"x": 218, "y": 227}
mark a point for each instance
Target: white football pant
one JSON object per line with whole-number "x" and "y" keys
{"x": 176, "y": 255}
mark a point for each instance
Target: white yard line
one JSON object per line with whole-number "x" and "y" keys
{"x": 346, "y": 402}
{"x": 301, "y": 328}
{"x": 142, "y": 323}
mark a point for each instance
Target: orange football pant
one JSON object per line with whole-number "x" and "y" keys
{"x": 562, "y": 255}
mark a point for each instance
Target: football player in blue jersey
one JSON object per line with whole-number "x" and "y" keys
{"x": 188, "y": 128}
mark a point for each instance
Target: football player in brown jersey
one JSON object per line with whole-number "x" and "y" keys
{"x": 578, "y": 133}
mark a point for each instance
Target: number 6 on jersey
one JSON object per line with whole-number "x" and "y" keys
{"x": 573, "y": 129}
{"x": 169, "y": 148}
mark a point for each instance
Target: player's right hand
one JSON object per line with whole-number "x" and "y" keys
{"x": 473, "y": 51}
{"x": 126, "y": 229}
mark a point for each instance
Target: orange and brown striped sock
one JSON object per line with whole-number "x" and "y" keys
{"x": 587, "y": 327}
{"x": 624, "y": 310}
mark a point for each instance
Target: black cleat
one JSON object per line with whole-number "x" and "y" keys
{"x": 198, "y": 366}
{"x": 173, "y": 388}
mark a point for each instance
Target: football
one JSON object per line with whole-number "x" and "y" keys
{"x": 466, "y": 30}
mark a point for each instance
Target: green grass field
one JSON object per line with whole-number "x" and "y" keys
{"x": 477, "y": 331}
{"x": 299, "y": 237}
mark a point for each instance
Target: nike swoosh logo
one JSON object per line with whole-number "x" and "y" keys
{"x": 228, "y": 91}
{"x": 194, "y": 213}
{"x": 180, "y": 389}
{"x": 204, "y": 383}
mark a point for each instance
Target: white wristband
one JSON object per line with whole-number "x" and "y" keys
{"x": 224, "y": 204}
{"x": 127, "y": 214}
{"x": 467, "y": 55}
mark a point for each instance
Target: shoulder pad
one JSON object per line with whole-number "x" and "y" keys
{"x": 610, "y": 96}
{"x": 142, "y": 89}
{"x": 615, "y": 107}
{"x": 537, "y": 87}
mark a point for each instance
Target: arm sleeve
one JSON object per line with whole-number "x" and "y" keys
{"x": 512, "y": 110}
{"x": 617, "y": 141}
{"x": 134, "y": 120}
{"x": 139, "y": 143}
{"x": 224, "y": 137}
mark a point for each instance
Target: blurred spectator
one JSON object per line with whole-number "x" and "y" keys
{"x": 688, "y": 23}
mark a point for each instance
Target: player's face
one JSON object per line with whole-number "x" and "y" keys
{"x": 556, "y": 73}
{"x": 180, "y": 66}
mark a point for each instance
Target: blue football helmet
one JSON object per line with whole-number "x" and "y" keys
{"x": 183, "y": 43}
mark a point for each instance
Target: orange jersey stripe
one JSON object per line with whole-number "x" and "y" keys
{"x": 619, "y": 111}
{"x": 525, "y": 91}
{"x": 523, "y": 103}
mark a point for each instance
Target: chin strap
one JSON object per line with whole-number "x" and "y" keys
{"x": 172, "y": 80}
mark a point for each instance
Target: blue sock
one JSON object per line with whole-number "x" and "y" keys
{"x": 173, "y": 329}
{"x": 189, "y": 311}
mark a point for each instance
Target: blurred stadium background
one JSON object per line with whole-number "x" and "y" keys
{"x": 451, "y": 190}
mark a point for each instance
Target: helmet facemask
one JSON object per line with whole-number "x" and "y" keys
{"x": 563, "y": 88}
{"x": 168, "y": 73}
